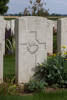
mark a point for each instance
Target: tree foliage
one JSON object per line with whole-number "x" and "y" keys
{"x": 3, "y": 6}
{"x": 36, "y": 8}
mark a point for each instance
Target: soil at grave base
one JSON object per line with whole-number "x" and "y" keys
{"x": 49, "y": 89}
{"x": 20, "y": 90}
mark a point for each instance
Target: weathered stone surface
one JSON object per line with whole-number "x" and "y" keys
{"x": 2, "y": 41}
{"x": 49, "y": 36}
{"x": 55, "y": 24}
{"x": 13, "y": 26}
{"x": 1, "y": 63}
{"x": 31, "y": 49}
{"x": 62, "y": 34}
{"x": 8, "y": 25}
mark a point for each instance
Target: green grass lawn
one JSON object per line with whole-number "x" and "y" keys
{"x": 9, "y": 65}
{"x": 61, "y": 95}
{"x": 55, "y": 43}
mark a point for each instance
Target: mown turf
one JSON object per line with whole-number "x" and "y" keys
{"x": 9, "y": 65}
{"x": 55, "y": 44}
{"x": 61, "y": 95}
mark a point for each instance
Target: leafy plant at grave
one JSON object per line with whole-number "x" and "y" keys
{"x": 8, "y": 89}
{"x": 10, "y": 46}
{"x": 52, "y": 72}
{"x": 9, "y": 42}
{"x": 10, "y": 79}
{"x": 34, "y": 86}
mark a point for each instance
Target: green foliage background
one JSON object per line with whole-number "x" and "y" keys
{"x": 3, "y": 6}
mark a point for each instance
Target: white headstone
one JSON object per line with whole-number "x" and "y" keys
{"x": 31, "y": 34}
{"x": 3, "y": 31}
{"x": 62, "y": 34}
{"x": 8, "y": 24}
{"x": 55, "y": 24}
{"x": 49, "y": 36}
{"x": 1, "y": 47}
{"x": 13, "y": 26}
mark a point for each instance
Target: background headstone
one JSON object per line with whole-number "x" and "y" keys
{"x": 10, "y": 25}
{"x": 3, "y": 31}
{"x": 62, "y": 34}
{"x": 13, "y": 26}
{"x": 49, "y": 36}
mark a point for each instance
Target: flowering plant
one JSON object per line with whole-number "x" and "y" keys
{"x": 53, "y": 71}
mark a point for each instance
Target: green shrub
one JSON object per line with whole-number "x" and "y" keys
{"x": 8, "y": 89}
{"x": 52, "y": 72}
{"x": 9, "y": 42}
{"x": 10, "y": 46}
{"x": 10, "y": 78}
{"x": 34, "y": 86}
